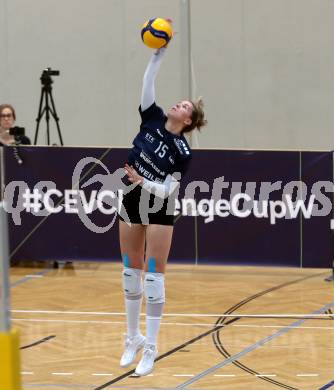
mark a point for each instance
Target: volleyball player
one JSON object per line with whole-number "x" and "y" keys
{"x": 159, "y": 151}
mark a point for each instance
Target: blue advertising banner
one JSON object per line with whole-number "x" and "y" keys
{"x": 248, "y": 238}
{"x": 317, "y": 245}
{"x": 234, "y": 207}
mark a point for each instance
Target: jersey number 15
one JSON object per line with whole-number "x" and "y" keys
{"x": 161, "y": 149}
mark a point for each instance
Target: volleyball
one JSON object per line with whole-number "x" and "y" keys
{"x": 156, "y": 33}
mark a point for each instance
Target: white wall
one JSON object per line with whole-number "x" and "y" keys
{"x": 264, "y": 68}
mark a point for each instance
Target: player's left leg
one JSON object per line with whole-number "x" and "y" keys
{"x": 158, "y": 242}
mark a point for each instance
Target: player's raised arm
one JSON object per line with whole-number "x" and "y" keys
{"x": 148, "y": 91}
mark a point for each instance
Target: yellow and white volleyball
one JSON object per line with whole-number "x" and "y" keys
{"x": 156, "y": 33}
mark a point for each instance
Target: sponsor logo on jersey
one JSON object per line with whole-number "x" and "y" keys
{"x": 147, "y": 159}
{"x": 148, "y": 174}
{"x": 149, "y": 138}
{"x": 177, "y": 143}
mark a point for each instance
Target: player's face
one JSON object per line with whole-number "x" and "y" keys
{"x": 6, "y": 118}
{"x": 182, "y": 112}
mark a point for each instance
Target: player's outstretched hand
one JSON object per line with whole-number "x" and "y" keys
{"x": 170, "y": 21}
{"x": 133, "y": 176}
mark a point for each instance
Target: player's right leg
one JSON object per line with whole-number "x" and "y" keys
{"x": 132, "y": 243}
{"x": 158, "y": 242}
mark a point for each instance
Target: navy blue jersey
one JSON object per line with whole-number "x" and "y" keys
{"x": 156, "y": 152}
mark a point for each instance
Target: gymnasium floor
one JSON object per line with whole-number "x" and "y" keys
{"x": 277, "y": 332}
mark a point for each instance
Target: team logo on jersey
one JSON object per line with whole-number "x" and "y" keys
{"x": 149, "y": 138}
{"x": 159, "y": 132}
{"x": 182, "y": 147}
{"x": 177, "y": 143}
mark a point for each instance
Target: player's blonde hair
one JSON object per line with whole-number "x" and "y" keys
{"x": 197, "y": 116}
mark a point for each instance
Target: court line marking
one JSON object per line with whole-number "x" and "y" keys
{"x": 249, "y": 349}
{"x": 34, "y": 276}
{"x": 63, "y": 386}
{"x": 29, "y": 277}
{"x": 282, "y": 326}
{"x": 45, "y": 339}
{"x": 281, "y": 315}
{"x": 175, "y": 375}
{"x": 327, "y": 386}
{"x": 167, "y": 323}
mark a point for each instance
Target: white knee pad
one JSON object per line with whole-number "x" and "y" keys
{"x": 154, "y": 287}
{"x": 132, "y": 282}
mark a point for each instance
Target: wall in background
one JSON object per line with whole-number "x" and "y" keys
{"x": 264, "y": 68}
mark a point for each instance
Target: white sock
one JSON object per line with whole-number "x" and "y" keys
{"x": 133, "y": 307}
{"x": 133, "y": 299}
{"x": 153, "y": 319}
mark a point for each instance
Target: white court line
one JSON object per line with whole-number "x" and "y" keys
{"x": 281, "y": 326}
{"x": 34, "y": 276}
{"x": 102, "y": 322}
{"x": 287, "y": 315}
{"x": 164, "y": 323}
{"x": 175, "y": 375}
{"x": 67, "y": 321}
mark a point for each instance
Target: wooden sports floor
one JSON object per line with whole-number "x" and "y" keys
{"x": 224, "y": 328}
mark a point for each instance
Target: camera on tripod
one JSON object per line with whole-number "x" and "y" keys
{"x": 47, "y": 106}
{"x": 17, "y": 131}
{"x": 46, "y": 79}
{"x": 50, "y": 72}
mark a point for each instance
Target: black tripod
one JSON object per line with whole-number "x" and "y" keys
{"x": 46, "y": 98}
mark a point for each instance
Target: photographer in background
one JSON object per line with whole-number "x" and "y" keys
{"x": 8, "y": 134}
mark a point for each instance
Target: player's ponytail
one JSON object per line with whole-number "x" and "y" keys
{"x": 197, "y": 117}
